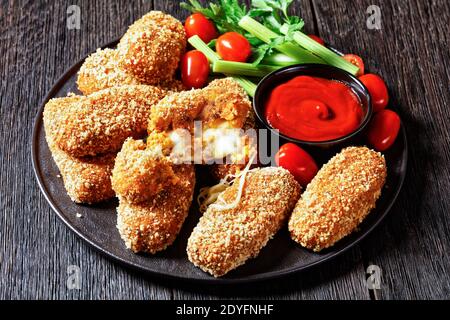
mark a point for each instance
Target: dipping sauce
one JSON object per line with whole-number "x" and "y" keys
{"x": 314, "y": 109}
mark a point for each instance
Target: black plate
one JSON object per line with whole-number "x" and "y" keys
{"x": 281, "y": 256}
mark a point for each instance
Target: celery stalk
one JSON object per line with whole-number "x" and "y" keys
{"x": 288, "y": 48}
{"x": 257, "y": 29}
{"x": 248, "y": 86}
{"x": 198, "y": 44}
{"x": 244, "y": 69}
{"x": 323, "y": 52}
{"x": 279, "y": 59}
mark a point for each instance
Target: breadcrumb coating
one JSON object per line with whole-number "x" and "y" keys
{"x": 153, "y": 225}
{"x": 224, "y": 240}
{"x": 102, "y": 70}
{"x": 176, "y": 111}
{"x": 140, "y": 172}
{"x": 339, "y": 198}
{"x": 100, "y": 123}
{"x": 87, "y": 180}
{"x": 173, "y": 85}
{"x": 222, "y": 100}
{"x": 152, "y": 47}
{"x": 226, "y": 100}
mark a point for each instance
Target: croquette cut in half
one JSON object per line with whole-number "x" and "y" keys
{"x": 221, "y": 107}
{"x": 223, "y": 100}
{"x": 339, "y": 198}
{"x": 154, "y": 196}
{"x": 87, "y": 180}
{"x": 226, "y": 238}
{"x": 99, "y": 123}
{"x": 152, "y": 47}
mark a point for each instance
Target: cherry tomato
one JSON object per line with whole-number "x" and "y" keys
{"x": 197, "y": 24}
{"x": 298, "y": 162}
{"x": 377, "y": 89}
{"x": 357, "y": 61}
{"x": 383, "y": 130}
{"x": 194, "y": 69}
{"x": 232, "y": 46}
{"x": 317, "y": 39}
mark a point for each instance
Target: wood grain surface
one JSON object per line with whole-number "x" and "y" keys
{"x": 411, "y": 248}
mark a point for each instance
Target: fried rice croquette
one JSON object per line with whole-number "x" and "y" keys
{"x": 140, "y": 172}
{"x": 152, "y": 47}
{"x": 87, "y": 180}
{"x": 226, "y": 239}
{"x": 339, "y": 198}
{"x": 223, "y": 100}
{"x": 102, "y": 70}
{"x": 221, "y": 108}
{"x": 100, "y": 123}
{"x": 153, "y": 225}
{"x": 176, "y": 111}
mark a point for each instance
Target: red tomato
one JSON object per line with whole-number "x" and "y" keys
{"x": 383, "y": 130}
{"x": 298, "y": 162}
{"x": 357, "y": 61}
{"x": 194, "y": 69}
{"x": 197, "y": 24}
{"x": 377, "y": 89}
{"x": 317, "y": 39}
{"x": 232, "y": 46}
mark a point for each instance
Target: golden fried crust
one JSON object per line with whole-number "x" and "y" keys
{"x": 152, "y": 47}
{"x": 87, "y": 180}
{"x": 339, "y": 198}
{"x": 154, "y": 225}
{"x": 102, "y": 70}
{"x": 100, "y": 123}
{"x": 173, "y": 85}
{"x": 140, "y": 172}
{"x": 226, "y": 100}
{"x": 223, "y": 100}
{"x": 224, "y": 240}
{"x": 176, "y": 111}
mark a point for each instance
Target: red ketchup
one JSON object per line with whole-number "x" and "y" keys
{"x": 314, "y": 109}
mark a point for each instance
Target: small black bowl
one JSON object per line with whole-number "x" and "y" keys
{"x": 283, "y": 75}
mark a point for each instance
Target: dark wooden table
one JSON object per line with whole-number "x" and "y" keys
{"x": 412, "y": 246}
